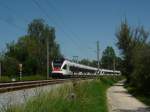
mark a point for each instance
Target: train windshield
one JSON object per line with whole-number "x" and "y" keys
{"x": 58, "y": 62}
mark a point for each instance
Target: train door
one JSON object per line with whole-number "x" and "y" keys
{"x": 69, "y": 70}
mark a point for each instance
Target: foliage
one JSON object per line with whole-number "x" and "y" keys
{"x": 31, "y": 50}
{"x": 85, "y": 62}
{"x": 108, "y": 58}
{"x": 10, "y": 66}
{"x": 134, "y": 47}
{"x": 141, "y": 73}
{"x": 93, "y": 63}
{"x": 124, "y": 43}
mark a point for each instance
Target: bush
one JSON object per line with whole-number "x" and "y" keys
{"x": 141, "y": 74}
{"x": 10, "y": 66}
{"x": 135, "y": 48}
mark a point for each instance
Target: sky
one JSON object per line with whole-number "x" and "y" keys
{"x": 78, "y": 23}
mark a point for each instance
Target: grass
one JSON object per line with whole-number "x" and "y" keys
{"x": 84, "y": 96}
{"x": 4, "y": 79}
{"x": 33, "y": 77}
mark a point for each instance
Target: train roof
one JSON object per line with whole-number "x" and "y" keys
{"x": 81, "y": 65}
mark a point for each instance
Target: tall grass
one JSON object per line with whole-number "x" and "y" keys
{"x": 84, "y": 96}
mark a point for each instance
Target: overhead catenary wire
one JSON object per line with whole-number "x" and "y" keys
{"x": 60, "y": 28}
{"x": 57, "y": 12}
{"x": 73, "y": 34}
{"x": 12, "y": 10}
{"x": 12, "y": 24}
{"x": 47, "y": 16}
{"x": 69, "y": 34}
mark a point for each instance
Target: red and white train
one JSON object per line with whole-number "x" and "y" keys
{"x": 64, "y": 68}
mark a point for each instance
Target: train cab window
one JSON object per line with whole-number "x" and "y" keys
{"x": 58, "y": 62}
{"x": 65, "y": 67}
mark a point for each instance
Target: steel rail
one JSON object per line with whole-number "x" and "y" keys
{"x": 6, "y": 87}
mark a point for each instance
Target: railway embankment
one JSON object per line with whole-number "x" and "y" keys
{"x": 78, "y": 96}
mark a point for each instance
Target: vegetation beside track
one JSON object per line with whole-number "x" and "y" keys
{"x": 134, "y": 44}
{"x": 84, "y": 96}
{"x": 143, "y": 97}
{"x": 4, "y": 79}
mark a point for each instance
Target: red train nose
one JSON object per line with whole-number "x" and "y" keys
{"x": 56, "y": 69}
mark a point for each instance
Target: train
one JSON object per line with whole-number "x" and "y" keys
{"x": 63, "y": 68}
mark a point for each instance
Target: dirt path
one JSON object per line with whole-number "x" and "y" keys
{"x": 121, "y": 101}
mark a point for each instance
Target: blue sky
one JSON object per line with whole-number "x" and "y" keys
{"x": 78, "y": 23}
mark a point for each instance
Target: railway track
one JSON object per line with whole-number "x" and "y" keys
{"x": 6, "y": 87}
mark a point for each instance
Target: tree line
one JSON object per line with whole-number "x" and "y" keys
{"x": 134, "y": 45}
{"x": 30, "y": 50}
{"x": 109, "y": 60}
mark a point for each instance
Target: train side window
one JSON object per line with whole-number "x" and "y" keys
{"x": 65, "y": 67}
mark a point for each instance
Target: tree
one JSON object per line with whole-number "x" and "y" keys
{"x": 42, "y": 32}
{"x": 108, "y": 58}
{"x": 31, "y": 49}
{"x": 85, "y": 62}
{"x": 94, "y": 63}
{"x": 118, "y": 63}
{"x": 141, "y": 73}
{"x": 125, "y": 44}
{"x": 134, "y": 46}
{"x": 10, "y": 66}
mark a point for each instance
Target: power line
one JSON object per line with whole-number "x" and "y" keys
{"x": 12, "y": 24}
{"x": 62, "y": 21}
{"x": 12, "y": 16}
{"x": 77, "y": 39}
{"x": 12, "y": 10}
{"x": 0, "y": 70}
{"x": 9, "y": 22}
{"x": 98, "y": 58}
{"x": 47, "y": 16}
{"x": 48, "y": 58}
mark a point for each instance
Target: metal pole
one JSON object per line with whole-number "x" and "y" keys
{"x": 98, "y": 65}
{"x": 20, "y": 71}
{"x": 20, "y": 75}
{"x": 0, "y": 70}
{"x": 114, "y": 64}
{"x": 75, "y": 59}
{"x": 47, "y": 58}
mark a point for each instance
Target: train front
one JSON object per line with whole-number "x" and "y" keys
{"x": 56, "y": 68}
